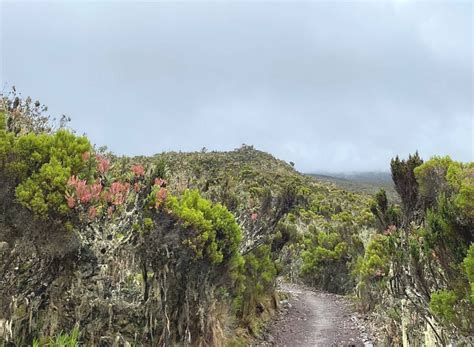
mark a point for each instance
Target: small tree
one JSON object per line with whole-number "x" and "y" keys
{"x": 403, "y": 176}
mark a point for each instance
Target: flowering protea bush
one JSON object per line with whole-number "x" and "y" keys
{"x": 138, "y": 170}
{"x": 55, "y": 174}
{"x": 93, "y": 198}
{"x": 103, "y": 164}
{"x": 82, "y": 192}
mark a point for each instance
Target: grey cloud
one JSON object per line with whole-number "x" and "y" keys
{"x": 330, "y": 86}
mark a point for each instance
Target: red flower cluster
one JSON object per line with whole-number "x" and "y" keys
{"x": 254, "y": 216}
{"x": 162, "y": 193}
{"x": 160, "y": 182}
{"x": 137, "y": 186}
{"x": 117, "y": 193}
{"x": 82, "y": 191}
{"x": 71, "y": 202}
{"x": 138, "y": 170}
{"x": 103, "y": 164}
{"x": 379, "y": 273}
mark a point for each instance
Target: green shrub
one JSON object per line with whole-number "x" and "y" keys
{"x": 217, "y": 235}
{"x": 259, "y": 272}
{"x": 3, "y": 121}
{"x": 40, "y": 165}
{"x": 7, "y": 141}
{"x": 431, "y": 178}
{"x": 375, "y": 263}
{"x": 441, "y": 176}
{"x": 460, "y": 178}
{"x": 469, "y": 268}
{"x": 325, "y": 261}
{"x": 442, "y": 304}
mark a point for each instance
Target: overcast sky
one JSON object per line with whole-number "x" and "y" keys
{"x": 332, "y": 86}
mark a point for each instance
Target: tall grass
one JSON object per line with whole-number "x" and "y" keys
{"x": 61, "y": 340}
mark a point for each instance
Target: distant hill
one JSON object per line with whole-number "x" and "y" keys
{"x": 361, "y": 182}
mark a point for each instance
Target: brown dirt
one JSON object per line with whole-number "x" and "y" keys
{"x": 312, "y": 318}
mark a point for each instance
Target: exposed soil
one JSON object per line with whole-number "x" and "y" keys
{"x": 311, "y": 318}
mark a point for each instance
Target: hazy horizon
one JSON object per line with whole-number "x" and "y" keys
{"x": 333, "y": 87}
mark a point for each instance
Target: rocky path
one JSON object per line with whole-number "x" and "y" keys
{"x": 313, "y": 318}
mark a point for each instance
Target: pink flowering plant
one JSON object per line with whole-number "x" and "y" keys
{"x": 105, "y": 195}
{"x": 93, "y": 196}
{"x": 103, "y": 164}
{"x": 138, "y": 171}
{"x": 158, "y": 194}
{"x": 60, "y": 177}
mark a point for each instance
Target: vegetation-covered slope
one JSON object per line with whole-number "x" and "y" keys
{"x": 185, "y": 248}
{"x": 180, "y": 247}
{"x": 362, "y": 182}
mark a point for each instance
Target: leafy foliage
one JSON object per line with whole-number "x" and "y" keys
{"x": 425, "y": 249}
{"x": 41, "y": 164}
{"x": 375, "y": 263}
{"x": 443, "y": 304}
{"x": 60, "y": 340}
{"x": 3, "y": 121}
{"x": 257, "y": 280}
{"x": 217, "y": 235}
{"x": 469, "y": 268}
{"x": 386, "y": 214}
{"x": 324, "y": 259}
{"x": 405, "y": 182}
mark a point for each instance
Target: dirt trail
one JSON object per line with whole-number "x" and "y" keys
{"x": 316, "y": 319}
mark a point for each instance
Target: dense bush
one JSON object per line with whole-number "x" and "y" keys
{"x": 3, "y": 121}
{"x": 374, "y": 265}
{"x": 217, "y": 235}
{"x": 386, "y": 214}
{"x": 424, "y": 250}
{"x": 40, "y": 166}
{"x": 258, "y": 280}
{"x": 405, "y": 182}
{"x": 469, "y": 268}
{"x": 449, "y": 216}
{"x": 371, "y": 272}
{"x": 443, "y": 305}
{"x": 324, "y": 261}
